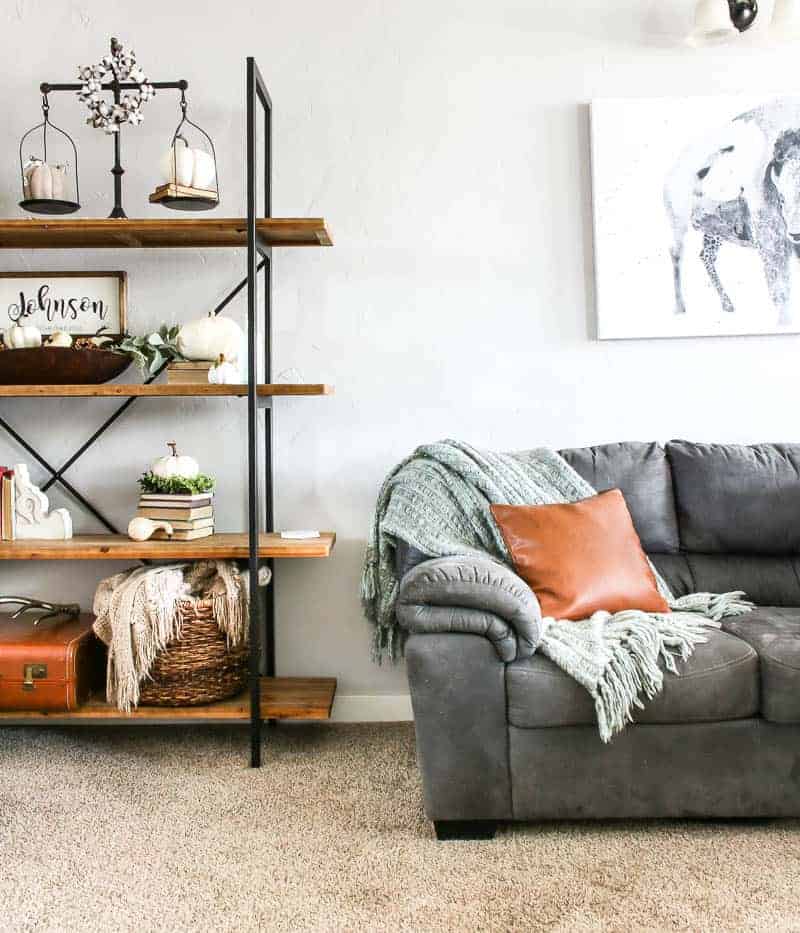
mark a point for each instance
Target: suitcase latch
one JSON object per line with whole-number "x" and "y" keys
{"x": 33, "y": 672}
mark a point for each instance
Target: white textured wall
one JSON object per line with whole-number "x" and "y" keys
{"x": 447, "y": 144}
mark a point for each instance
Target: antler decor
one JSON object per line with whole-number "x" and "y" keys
{"x": 52, "y": 610}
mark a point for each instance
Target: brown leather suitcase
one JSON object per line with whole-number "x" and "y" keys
{"x": 52, "y": 666}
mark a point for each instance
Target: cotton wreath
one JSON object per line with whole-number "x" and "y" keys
{"x": 121, "y": 66}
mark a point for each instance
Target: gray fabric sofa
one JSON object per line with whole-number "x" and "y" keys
{"x": 503, "y": 734}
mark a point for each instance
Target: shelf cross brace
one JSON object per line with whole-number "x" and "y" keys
{"x": 57, "y": 475}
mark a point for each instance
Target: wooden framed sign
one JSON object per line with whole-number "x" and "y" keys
{"x": 79, "y": 303}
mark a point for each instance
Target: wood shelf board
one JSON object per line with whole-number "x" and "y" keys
{"x": 309, "y": 698}
{"x": 161, "y": 390}
{"x": 159, "y": 234}
{"x": 120, "y": 547}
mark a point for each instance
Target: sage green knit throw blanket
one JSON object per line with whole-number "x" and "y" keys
{"x": 438, "y": 499}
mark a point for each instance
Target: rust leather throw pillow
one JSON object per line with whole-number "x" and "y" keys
{"x": 580, "y": 557}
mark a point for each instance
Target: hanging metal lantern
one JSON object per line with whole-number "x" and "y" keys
{"x": 47, "y": 186}
{"x": 189, "y": 172}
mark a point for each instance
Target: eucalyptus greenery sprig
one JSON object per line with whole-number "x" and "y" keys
{"x": 173, "y": 485}
{"x": 152, "y": 351}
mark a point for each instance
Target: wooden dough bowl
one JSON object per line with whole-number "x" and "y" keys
{"x": 60, "y": 366}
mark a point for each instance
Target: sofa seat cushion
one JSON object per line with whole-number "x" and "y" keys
{"x": 719, "y": 682}
{"x": 774, "y": 632}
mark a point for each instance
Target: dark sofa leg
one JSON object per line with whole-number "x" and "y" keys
{"x": 464, "y": 829}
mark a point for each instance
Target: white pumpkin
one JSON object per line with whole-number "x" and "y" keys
{"x": 59, "y": 338}
{"x": 193, "y": 168}
{"x": 211, "y": 337}
{"x": 43, "y": 181}
{"x": 224, "y": 373}
{"x": 21, "y": 336}
{"x": 27, "y": 172}
{"x": 175, "y": 465}
{"x": 142, "y": 529}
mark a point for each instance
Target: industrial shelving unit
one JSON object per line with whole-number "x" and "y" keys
{"x": 268, "y": 697}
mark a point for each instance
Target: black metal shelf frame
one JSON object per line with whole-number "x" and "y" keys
{"x": 264, "y": 603}
{"x": 259, "y": 259}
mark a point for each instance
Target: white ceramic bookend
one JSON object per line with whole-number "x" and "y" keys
{"x": 32, "y": 508}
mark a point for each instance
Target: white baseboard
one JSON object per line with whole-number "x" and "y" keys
{"x": 376, "y": 708}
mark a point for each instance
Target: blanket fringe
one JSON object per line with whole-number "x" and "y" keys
{"x": 715, "y": 606}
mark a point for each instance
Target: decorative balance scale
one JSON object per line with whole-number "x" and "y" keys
{"x": 190, "y": 179}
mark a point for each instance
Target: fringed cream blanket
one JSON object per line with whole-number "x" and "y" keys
{"x": 137, "y": 616}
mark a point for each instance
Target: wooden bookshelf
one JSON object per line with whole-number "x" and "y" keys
{"x": 120, "y": 547}
{"x": 163, "y": 390}
{"x": 88, "y": 233}
{"x": 309, "y": 698}
{"x": 282, "y": 697}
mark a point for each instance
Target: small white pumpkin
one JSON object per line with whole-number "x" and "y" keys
{"x": 59, "y": 338}
{"x": 45, "y": 182}
{"x": 27, "y": 173}
{"x": 175, "y": 465}
{"x": 142, "y": 529}
{"x": 193, "y": 168}
{"x": 210, "y": 337}
{"x": 21, "y": 336}
{"x": 224, "y": 373}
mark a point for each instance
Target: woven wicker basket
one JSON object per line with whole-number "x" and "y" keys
{"x": 198, "y": 667}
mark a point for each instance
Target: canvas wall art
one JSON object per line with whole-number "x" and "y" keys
{"x": 697, "y": 216}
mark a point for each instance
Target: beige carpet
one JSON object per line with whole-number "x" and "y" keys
{"x": 167, "y": 830}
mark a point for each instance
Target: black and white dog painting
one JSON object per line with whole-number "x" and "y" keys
{"x": 724, "y": 256}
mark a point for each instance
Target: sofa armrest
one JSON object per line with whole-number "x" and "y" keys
{"x": 458, "y": 693}
{"x": 472, "y": 595}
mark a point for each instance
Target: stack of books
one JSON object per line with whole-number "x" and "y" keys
{"x": 8, "y": 518}
{"x": 191, "y": 516}
{"x": 188, "y": 373}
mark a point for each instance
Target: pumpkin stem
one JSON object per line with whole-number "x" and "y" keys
{"x": 173, "y": 447}
{"x": 221, "y": 359}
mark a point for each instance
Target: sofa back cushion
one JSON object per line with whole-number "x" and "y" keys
{"x": 642, "y": 473}
{"x": 766, "y": 579}
{"x": 732, "y": 499}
